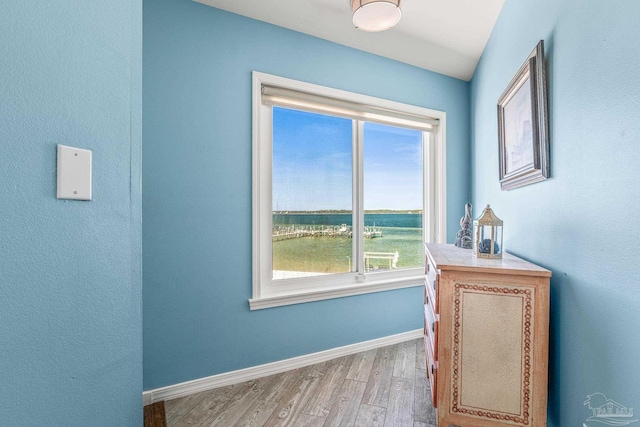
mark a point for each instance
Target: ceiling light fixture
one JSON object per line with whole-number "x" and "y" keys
{"x": 375, "y": 15}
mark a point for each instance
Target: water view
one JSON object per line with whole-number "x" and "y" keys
{"x": 313, "y": 179}
{"x": 322, "y": 243}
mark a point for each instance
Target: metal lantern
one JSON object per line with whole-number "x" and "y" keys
{"x": 487, "y": 241}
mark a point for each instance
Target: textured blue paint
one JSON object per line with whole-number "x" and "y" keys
{"x": 70, "y": 279}
{"x": 581, "y": 223}
{"x": 197, "y": 190}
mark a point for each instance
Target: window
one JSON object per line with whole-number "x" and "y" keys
{"x": 346, "y": 189}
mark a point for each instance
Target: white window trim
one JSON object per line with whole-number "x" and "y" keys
{"x": 292, "y": 291}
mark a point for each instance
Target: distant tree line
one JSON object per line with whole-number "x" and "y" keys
{"x": 345, "y": 211}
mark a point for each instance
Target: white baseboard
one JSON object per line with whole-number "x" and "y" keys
{"x": 254, "y": 372}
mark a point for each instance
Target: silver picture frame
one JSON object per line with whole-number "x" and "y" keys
{"x": 523, "y": 125}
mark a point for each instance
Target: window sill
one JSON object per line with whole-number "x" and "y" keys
{"x": 379, "y": 285}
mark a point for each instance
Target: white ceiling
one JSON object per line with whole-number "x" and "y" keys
{"x": 445, "y": 36}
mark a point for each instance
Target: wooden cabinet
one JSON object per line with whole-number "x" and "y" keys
{"x": 486, "y": 338}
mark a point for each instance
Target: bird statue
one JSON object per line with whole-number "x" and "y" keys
{"x": 464, "y": 238}
{"x": 465, "y": 221}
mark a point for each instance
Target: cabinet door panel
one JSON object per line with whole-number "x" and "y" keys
{"x": 492, "y": 338}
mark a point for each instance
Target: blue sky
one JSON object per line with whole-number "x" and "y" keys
{"x": 312, "y": 164}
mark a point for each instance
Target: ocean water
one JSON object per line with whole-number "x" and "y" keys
{"x": 405, "y": 220}
{"x": 400, "y": 232}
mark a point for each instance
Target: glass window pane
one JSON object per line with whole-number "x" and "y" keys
{"x": 393, "y": 197}
{"x": 312, "y": 194}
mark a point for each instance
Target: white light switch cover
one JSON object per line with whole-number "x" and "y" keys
{"x": 74, "y": 173}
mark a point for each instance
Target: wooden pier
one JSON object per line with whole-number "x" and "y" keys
{"x": 286, "y": 232}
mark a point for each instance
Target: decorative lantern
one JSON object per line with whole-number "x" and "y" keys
{"x": 487, "y": 242}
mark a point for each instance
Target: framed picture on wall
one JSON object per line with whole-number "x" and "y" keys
{"x": 523, "y": 129}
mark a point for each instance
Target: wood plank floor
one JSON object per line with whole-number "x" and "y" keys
{"x": 384, "y": 387}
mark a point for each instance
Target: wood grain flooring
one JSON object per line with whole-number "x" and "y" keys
{"x": 385, "y": 387}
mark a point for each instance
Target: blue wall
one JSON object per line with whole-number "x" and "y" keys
{"x": 197, "y": 190}
{"x": 581, "y": 223}
{"x": 70, "y": 279}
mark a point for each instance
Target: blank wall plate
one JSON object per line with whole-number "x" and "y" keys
{"x": 74, "y": 173}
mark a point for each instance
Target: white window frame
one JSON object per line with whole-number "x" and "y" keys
{"x": 269, "y": 293}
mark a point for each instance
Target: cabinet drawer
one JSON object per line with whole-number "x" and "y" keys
{"x": 432, "y": 375}
{"x": 427, "y": 266}
{"x": 432, "y": 286}
{"x": 425, "y": 300}
{"x": 431, "y": 324}
{"x": 433, "y": 382}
